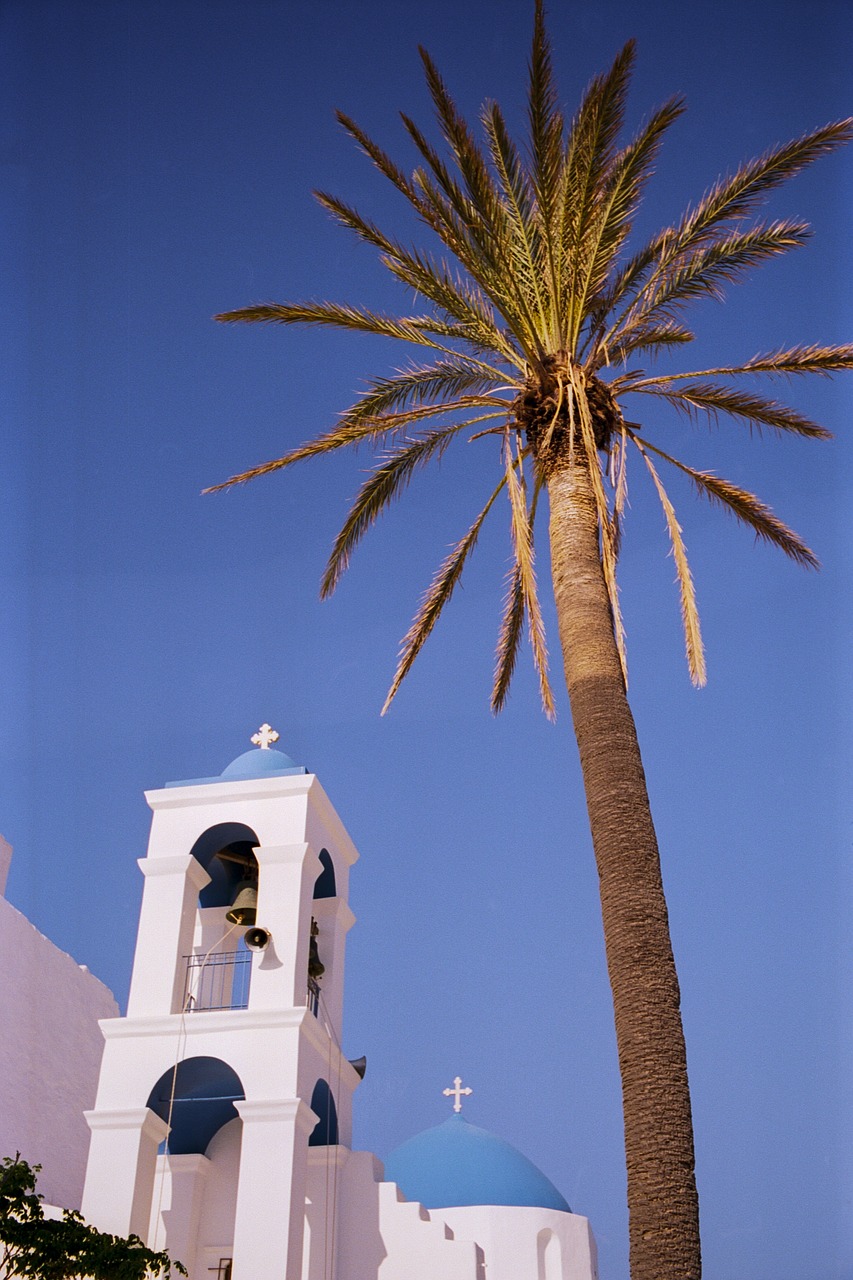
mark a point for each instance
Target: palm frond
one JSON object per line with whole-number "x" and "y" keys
{"x": 735, "y": 197}
{"x": 512, "y": 622}
{"x": 461, "y": 301}
{"x": 341, "y": 316}
{"x": 420, "y": 384}
{"x": 711, "y": 399}
{"x": 435, "y": 212}
{"x": 354, "y": 431}
{"x": 340, "y": 437}
{"x": 745, "y": 506}
{"x": 509, "y": 638}
{"x": 462, "y": 206}
{"x": 794, "y": 360}
{"x": 519, "y": 202}
{"x": 618, "y": 203}
{"x": 436, "y": 597}
{"x": 385, "y": 484}
{"x": 620, "y": 488}
{"x": 645, "y": 337}
{"x": 689, "y": 612}
{"x": 547, "y": 129}
{"x": 729, "y": 200}
{"x": 474, "y": 218}
{"x": 487, "y": 268}
{"x": 478, "y": 240}
{"x": 479, "y": 186}
{"x": 382, "y": 160}
{"x": 350, "y": 218}
{"x": 522, "y": 542}
{"x": 704, "y": 272}
{"x": 589, "y": 160}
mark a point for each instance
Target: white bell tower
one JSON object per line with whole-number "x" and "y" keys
{"x": 233, "y": 1055}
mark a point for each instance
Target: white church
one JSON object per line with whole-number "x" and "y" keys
{"x": 214, "y": 1120}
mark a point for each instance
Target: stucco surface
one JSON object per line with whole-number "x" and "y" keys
{"x": 50, "y": 1054}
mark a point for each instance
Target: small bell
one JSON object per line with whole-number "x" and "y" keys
{"x": 244, "y": 908}
{"x": 316, "y": 968}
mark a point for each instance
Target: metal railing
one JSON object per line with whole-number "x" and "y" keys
{"x": 314, "y": 997}
{"x": 219, "y": 981}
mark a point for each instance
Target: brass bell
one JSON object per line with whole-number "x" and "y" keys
{"x": 244, "y": 908}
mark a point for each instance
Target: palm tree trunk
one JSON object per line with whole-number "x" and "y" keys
{"x": 662, "y": 1201}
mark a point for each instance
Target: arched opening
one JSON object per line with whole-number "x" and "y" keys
{"x": 205, "y": 1090}
{"x": 325, "y": 1133}
{"x": 235, "y": 842}
{"x": 324, "y": 885}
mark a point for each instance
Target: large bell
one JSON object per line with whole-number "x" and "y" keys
{"x": 244, "y": 908}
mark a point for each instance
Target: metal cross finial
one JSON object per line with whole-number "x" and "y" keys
{"x": 264, "y": 737}
{"x": 457, "y": 1093}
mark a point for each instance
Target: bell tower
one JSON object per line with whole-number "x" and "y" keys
{"x": 228, "y": 1064}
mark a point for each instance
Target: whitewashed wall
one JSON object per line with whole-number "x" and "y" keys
{"x": 50, "y": 1052}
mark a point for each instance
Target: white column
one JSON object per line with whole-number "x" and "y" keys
{"x": 120, "y": 1172}
{"x": 166, "y": 927}
{"x": 286, "y": 879}
{"x": 179, "y": 1233}
{"x": 270, "y": 1217}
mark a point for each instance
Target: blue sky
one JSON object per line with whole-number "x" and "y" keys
{"x": 158, "y": 163}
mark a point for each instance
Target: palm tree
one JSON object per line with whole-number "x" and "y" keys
{"x": 534, "y": 318}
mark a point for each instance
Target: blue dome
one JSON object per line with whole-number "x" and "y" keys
{"x": 257, "y": 764}
{"x": 458, "y": 1164}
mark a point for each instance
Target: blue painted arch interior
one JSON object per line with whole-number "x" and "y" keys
{"x": 224, "y": 876}
{"x": 205, "y": 1090}
{"x": 325, "y": 1132}
{"x": 325, "y": 885}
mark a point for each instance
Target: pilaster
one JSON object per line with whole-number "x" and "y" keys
{"x": 166, "y": 927}
{"x": 287, "y": 874}
{"x": 268, "y": 1229}
{"x": 120, "y": 1172}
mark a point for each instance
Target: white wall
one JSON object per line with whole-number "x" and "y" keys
{"x": 522, "y": 1243}
{"x": 50, "y": 1054}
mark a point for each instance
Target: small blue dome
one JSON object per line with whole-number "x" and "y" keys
{"x": 257, "y": 764}
{"x": 456, "y": 1164}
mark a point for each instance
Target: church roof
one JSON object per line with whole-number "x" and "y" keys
{"x": 457, "y": 1163}
{"x": 266, "y": 763}
{"x": 258, "y": 764}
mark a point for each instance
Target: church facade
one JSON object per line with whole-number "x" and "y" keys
{"x": 221, "y": 1129}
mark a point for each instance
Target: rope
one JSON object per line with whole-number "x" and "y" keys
{"x": 182, "y": 1044}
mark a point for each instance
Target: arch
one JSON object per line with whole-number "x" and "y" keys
{"x": 224, "y": 876}
{"x": 549, "y": 1255}
{"x": 205, "y": 1092}
{"x": 325, "y": 1132}
{"x": 325, "y": 885}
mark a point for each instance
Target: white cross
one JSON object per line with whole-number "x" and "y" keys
{"x": 264, "y": 737}
{"x": 457, "y": 1093}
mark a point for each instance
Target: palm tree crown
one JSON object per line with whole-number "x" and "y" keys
{"x": 537, "y": 326}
